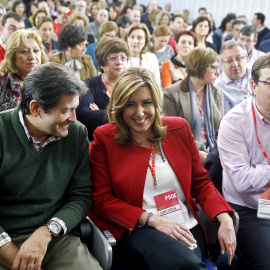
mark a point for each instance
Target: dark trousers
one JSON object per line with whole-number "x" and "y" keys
{"x": 254, "y": 237}
{"x": 148, "y": 248}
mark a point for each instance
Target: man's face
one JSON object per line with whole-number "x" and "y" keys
{"x": 248, "y": 41}
{"x": 135, "y": 16}
{"x": 254, "y": 20}
{"x": 102, "y": 16}
{"x": 62, "y": 17}
{"x": 236, "y": 30}
{"x": 81, "y": 6}
{"x": 177, "y": 25}
{"x": 238, "y": 66}
{"x": 262, "y": 93}
{"x": 10, "y": 27}
{"x": 152, "y": 5}
{"x": 57, "y": 121}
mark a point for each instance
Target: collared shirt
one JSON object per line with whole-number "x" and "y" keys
{"x": 234, "y": 92}
{"x": 39, "y": 146}
{"x": 254, "y": 55}
{"x": 245, "y": 168}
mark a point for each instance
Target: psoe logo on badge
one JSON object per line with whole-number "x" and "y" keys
{"x": 170, "y": 197}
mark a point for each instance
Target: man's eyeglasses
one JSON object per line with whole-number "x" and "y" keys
{"x": 230, "y": 60}
{"x": 265, "y": 82}
{"x": 115, "y": 58}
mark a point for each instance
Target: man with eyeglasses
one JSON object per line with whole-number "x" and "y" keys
{"x": 244, "y": 149}
{"x": 248, "y": 37}
{"x": 62, "y": 18}
{"x": 235, "y": 78}
{"x": 11, "y": 22}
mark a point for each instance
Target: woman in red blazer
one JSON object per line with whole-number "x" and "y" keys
{"x": 147, "y": 180}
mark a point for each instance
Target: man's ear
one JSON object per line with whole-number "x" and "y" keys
{"x": 34, "y": 108}
{"x": 253, "y": 85}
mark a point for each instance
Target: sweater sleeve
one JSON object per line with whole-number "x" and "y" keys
{"x": 166, "y": 76}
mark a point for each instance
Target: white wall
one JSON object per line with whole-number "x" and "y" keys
{"x": 219, "y": 8}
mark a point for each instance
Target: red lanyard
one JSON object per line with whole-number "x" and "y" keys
{"x": 201, "y": 110}
{"x": 243, "y": 87}
{"x": 255, "y": 122}
{"x": 176, "y": 67}
{"x": 106, "y": 85}
{"x": 152, "y": 168}
{"x": 50, "y": 49}
{"x": 132, "y": 64}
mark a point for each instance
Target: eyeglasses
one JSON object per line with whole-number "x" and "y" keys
{"x": 13, "y": 28}
{"x": 265, "y": 82}
{"x": 115, "y": 58}
{"x": 214, "y": 68}
{"x": 231, "y": 60}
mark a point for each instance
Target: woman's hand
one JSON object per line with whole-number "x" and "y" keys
{"x": 170, "y": 227}
{"x": 203, "y": 156}
{"x": 93, "y": 107}
{"x": 226, "y": 236}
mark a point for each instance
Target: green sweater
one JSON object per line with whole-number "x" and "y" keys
{"x": 35, "y": 187}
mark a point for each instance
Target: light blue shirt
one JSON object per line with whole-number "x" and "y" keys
{"x": 246, "y": 170}
{"x": 236, "y": 91}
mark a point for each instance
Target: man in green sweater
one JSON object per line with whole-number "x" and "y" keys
{"x": 45, "y": 186}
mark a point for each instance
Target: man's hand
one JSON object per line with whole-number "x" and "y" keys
{"x": 226, "y": 236}
{"x": 32, "y": 251}
{"x": 8, "y": 253}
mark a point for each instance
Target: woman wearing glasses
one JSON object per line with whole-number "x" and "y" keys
{"x": 111, "y": 55}
{"x": 197, "y": 100}
{"x": 73, "y": 39}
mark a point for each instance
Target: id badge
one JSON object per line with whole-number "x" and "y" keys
{"x": 168, "y": 206}
{"x": 264, "y": 204}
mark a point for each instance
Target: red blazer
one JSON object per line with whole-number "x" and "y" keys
{"x": 119, "y": 172}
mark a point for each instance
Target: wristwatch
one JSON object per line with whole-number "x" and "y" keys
{"x": 53, "y": 228}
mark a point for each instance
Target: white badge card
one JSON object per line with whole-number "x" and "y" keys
{"x": 264, "y": 204}
{"x": 168, "y": 205}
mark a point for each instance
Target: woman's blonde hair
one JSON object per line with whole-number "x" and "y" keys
{"x": 78, "y": 16}
{"x": 17, "y": 42}
{"x": 129, "y": 81}
{"x": 198, "y": 59}
{"x": 108, "y": 27}
{"x": 39, "y": 10}
{"x": 139, "y": 26}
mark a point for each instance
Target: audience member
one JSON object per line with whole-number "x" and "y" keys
{"x": 174, "y": 70}
{"x": 39, "y": 13}
{"x": 123, "y": 24}
{"x": 111, "y": 54}
{"x": 81, "y": 6}
{"x": 107, "y": 29}
{"x": 213, "y": 27}
{"x": 236, "y": 27}
{"x": 168, "y": 7}
{"x": 160, "y": 47}
{"x": 176, "y": 25}
{"x": 11, "y": 22}
{"x": 33, "y": 7}
{"x": 62, "y": 19}
{"x": 244, "y": 149}
{"x": 235, "y": 78}
{"x": 50, "y": 171}
{"x": 163, "y": 19}
{"x": 197, "y": 100}
{"x": 138, "y": 40}
{"x": 262, "y": 30}
{"x": 265, "y": 46}
{"x": 93, "y": 8}
{"x": 151, "y": 6}
{"x": 2, "y": 13}
{"x": 224, "y": 29}
{"x": 201, "y": 11}
{"x": 92, "y": 30}
{"x": 202, "y": 28}
{"x": 135, "y": 16}
{"x": 19, "y": 8}
{"x": 248, "y": 37}
{"x": 43, "y": 4}
{"x": 79, "y": 19}
{"x": 242, "y": 18}
{"x": 45, "y": 28}
{"x": 24, "y": 52}
{"x": 103, "y": 4}
{"x": 113, "y": 13}
{"x": 126, "y": 189}
{"x": 73, "y": 40}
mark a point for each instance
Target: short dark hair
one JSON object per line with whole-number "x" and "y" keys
{"x": 12, "y": 15}
{"x": 16, "y": 3}
{"x": 202, "y": 8}
{"x": 71, "y": 35}
{"x": 260, "y": 17}
{"x": 123, "y": 20}
{"x": 248, "y": 30}
{"x": 261, "y": 63}
{"x": 47, "y": 84}
{"x": 176, "y": 16}
{"x": 238, "y": 22}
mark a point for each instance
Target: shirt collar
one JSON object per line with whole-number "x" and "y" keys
{"x": 2, "y": 43}
{"x": 262, "y": 119}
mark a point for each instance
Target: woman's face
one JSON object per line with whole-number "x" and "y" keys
{"x": 136, "y": 42}
{"x": 160, "y": 42}
{"x": 115, "y": 64}
{"x": 94, "y": 11}
{"x": 211, "y": 73}
{"x": 77, "y": 51}
{"x": 28, "y": 58}
{"x": 140, "y": 112}
{"x": 164, "y": 20}
{"x": 112, "y": 13}
{"x": 19, "y": 9}
{"x": 122, "y": 30}
{"x": 79, "y": 22}
{"x": 46, "y": 31}
{"x": 202, "y": 29}
{"x": 39, "y": 15}
{"x": 184, "y": 45}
